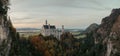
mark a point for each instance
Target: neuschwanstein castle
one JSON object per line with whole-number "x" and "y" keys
{"x": 48, "y": 30}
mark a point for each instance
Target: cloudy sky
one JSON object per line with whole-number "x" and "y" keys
{"x": 71, "y": 13}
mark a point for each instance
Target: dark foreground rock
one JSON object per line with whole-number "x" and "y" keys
{"x": 7, "y": 31}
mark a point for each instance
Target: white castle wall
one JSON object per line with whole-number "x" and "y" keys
{"x": 47, "y": 32}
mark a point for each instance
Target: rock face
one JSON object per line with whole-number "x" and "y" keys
{"x": 6, "y": 29}
{"x": 104, "y": 41}
{"x": 107, "y": 36}
{"x": 5, "y": 38}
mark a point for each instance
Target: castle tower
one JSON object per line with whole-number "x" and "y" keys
{"x": 62, "y": 28}
{"x": 46, "y": 22}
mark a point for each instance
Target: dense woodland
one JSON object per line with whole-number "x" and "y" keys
{"x": 46, "y": 46}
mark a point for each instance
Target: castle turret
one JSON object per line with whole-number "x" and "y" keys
{"x": 62, "y": 28}
{"x": 46, "y": 22}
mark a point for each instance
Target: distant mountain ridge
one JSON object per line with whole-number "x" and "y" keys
{"x": 67, "y": 30}
{"x": 91, "y": 28}
{"x": 27, "y": 29}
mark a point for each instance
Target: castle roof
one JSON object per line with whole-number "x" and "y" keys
{"x": 47, "y": 26}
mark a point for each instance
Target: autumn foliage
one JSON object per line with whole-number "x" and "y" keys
{"x": 50, "y": 46}
{"x": 40, "y": 45}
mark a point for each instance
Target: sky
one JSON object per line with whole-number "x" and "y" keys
{"x": 73, "y": 14}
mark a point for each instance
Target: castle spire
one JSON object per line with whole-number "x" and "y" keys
{"x": 62, "y": 28}
{"x": 46, "y": 22}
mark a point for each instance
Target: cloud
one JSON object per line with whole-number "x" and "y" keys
{"x": 77, "y": 12}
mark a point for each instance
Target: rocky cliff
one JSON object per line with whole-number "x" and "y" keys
{"x": 106, "y": 37}
{"x": 108, "y": 34}
{"x": 7, "y": 31}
